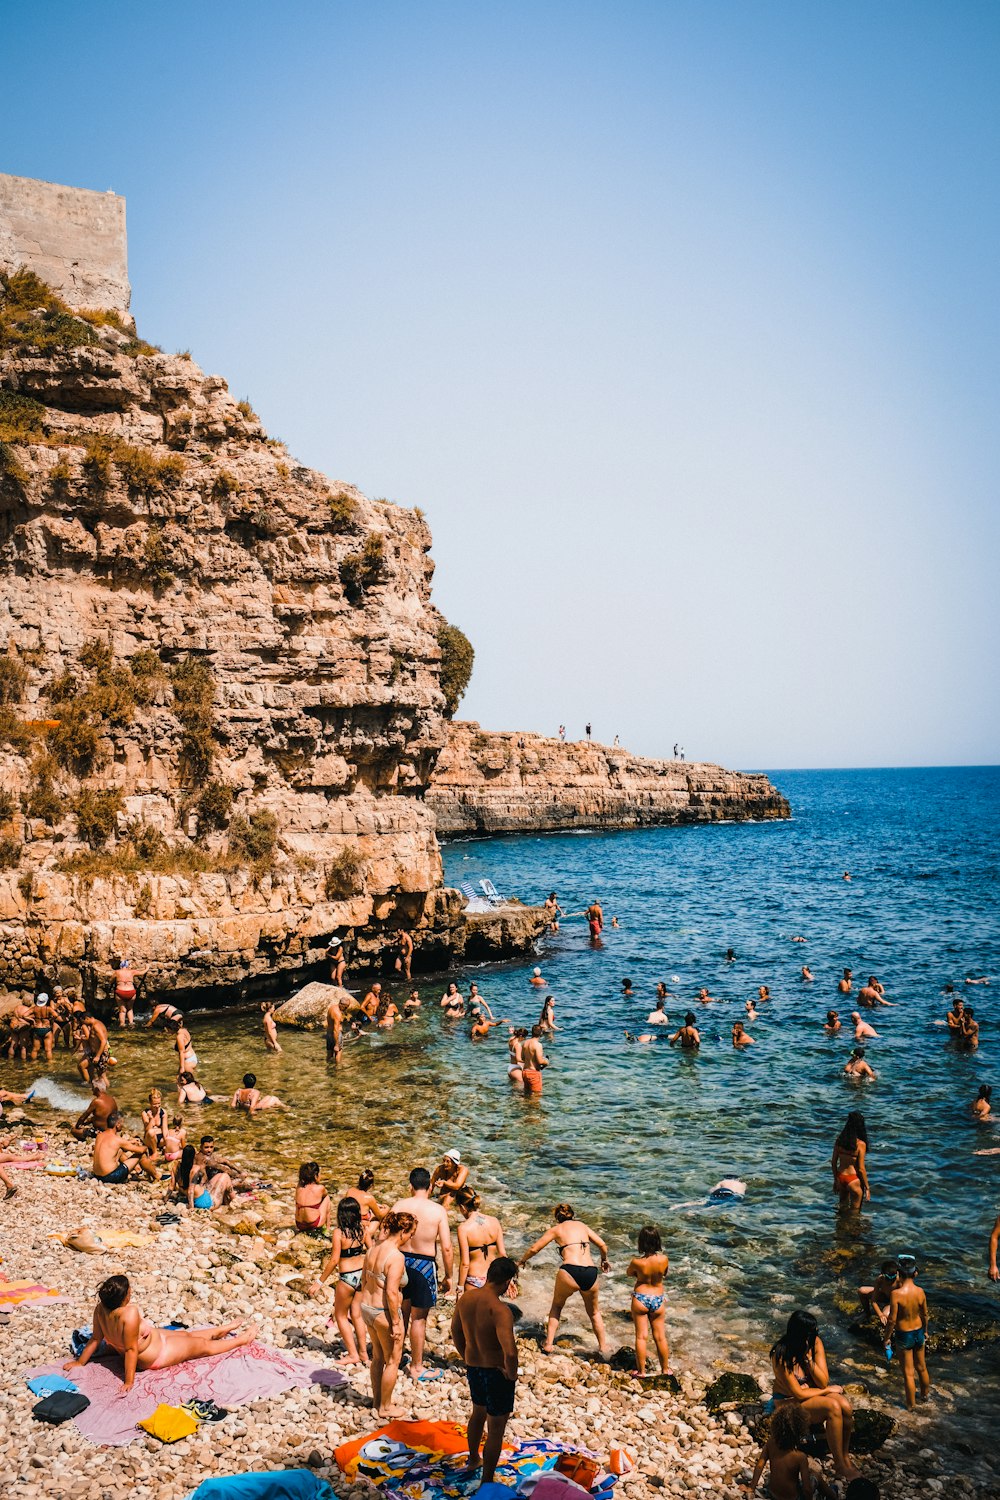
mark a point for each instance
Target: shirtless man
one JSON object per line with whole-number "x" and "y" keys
{"x": 369, "y": 1005}
{"x": 405, "y": 955}
{"x": 420, "y": 1255}
{"x": 94, "y": 1058}
{"x": 43, "y": 1024}
{"x": 95, "y": 1117}
{"x": 846, "y": 985}
{"x": 115, "y": 1153}
{"x": 19, "y": 1022}
{"x": 595, "y": 916}
{"x": 861, "y": 1028}
{"x": 533, "y": 1060}
{"x": 482, "y": 1331}
{"x": 537, "y": 980}
{"x": 969, "y": 1038}
{"x": 806, "y": 974}
{"x": 956, "y": 1017}
{"x": 334, "y": 1030}
{"x": 833, "y": 1023}
{"x": 688, "y": 1036}
{"x": 553, "y": 910}
{"x": 872, "y": 994}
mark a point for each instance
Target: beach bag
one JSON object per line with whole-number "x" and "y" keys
{"x": 169, "y": 1424}
{"x": 59, "y": 1407}
{"x": 579, "y": 1467}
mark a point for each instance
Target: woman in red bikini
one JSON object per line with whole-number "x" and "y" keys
{"x": 312, "y": 1201}
{"x": 850, "y": 1179}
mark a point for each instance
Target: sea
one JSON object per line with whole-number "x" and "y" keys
{"x": 632, "y": 1134}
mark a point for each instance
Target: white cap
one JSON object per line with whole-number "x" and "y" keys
{"x": 455, "y": 1156}
{"x": 537, "y": 970}
{"x": 42, "y": 998}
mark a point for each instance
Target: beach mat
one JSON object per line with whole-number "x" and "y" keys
{"x": 278, "y": 1484}
{"x": 13, "y": 1292}
{"x": 424, "y": 1461}
{"x": 230, "y": 1379}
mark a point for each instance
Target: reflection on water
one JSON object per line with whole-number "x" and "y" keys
{"x": 623, "y": 1132}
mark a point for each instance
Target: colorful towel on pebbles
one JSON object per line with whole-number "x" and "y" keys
{"x": 247, "y": 1374}
{"x": 276, "y": 1484}
{"x": 13, "y": 1292}
{"x": 424, "y": 1461}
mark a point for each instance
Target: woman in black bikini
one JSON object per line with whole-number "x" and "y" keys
{"x": 351, "y": 1239}
{"x": 576, "y": 1274}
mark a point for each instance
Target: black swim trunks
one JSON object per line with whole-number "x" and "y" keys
{"x": 490, "y": 1387}
{"x": 118, "y": 1175}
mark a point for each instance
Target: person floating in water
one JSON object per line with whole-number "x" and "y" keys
{"x": 806, "y": 974}
{"x": 251, "y": 1099}
{"x": 833, "y": 1023}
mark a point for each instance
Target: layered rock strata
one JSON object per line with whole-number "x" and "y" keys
{"x": 485, "y": 782}
{"x": 219, "y": 683}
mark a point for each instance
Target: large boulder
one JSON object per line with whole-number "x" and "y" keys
{"x": 731, "y": 1386}
{"x": 307, "y": 1009}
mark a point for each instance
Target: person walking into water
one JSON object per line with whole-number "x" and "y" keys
{"x": 907, "y": 1325}
{"x": 533, "y": 1060}
{"x": 850, "y": 1179}
{"x": 576, "y": 1274}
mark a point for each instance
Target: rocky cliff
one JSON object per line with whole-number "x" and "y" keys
{"x": 219, "y": 680}
{"x": 523, "y": 783}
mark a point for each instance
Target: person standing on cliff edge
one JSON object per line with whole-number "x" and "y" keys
{"x": 587, "y": 731}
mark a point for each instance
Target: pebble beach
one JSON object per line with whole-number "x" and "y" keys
{"x": 248, "y": 1262}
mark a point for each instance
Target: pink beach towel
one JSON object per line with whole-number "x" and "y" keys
{"x": 247, "y": 1374}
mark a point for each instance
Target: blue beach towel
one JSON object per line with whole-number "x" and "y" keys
{"x": 283, "y": 1484}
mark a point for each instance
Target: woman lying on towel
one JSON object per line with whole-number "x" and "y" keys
{"x": 120, "y": 1324}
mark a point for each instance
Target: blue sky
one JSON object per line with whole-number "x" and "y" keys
{"x": 678, "y": 320}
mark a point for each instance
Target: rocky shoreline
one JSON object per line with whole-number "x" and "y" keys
{"x": 248, "y": 1262}
{"x": 495, "y": 783}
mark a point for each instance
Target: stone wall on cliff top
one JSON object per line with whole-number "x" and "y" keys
{"x": 485, "y": 783}
{"x": 146, "y": 519}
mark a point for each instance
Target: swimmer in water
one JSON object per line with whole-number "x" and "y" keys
{"x": 662, "y": 993}
{"x": 251, "y": 1099}
{"x": 956, "y": 1017}
{"x": 658, "y": 1016}
{"x": 627, "y": 990}
{"x": 751, "y": 1010}
{"x": 688, "y": 1035}
{"x": 980, "y": 980}
{"x": 763, "y": 994}
{"x": 806, "y": 974}
{"x": 704, "y": 997}
{"x": 730, "y": 956}
{"x": 547, "y": 1019}
{"x": 872, "y": 994}
{"x": 981, "y": 1103}
{"x": 969, "y": 1039}
{"x": 741, "y": 1038}
{"x": 850, "y": 1178}
{"x": 861, "y": 1028}
{"x": 857, "y": 1067}
{"x": 645, "y": 1038}
{"x": 833, "y": 1023}
{"x": 536, "y": 979}
{"x": 846, "y": 984}
{"x": 515, "y": 1047}
{"x": 614, "y": 921}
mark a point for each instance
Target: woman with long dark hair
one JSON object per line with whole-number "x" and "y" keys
{"x": 350, "y": 1242}
{"x": 798, "y": 1361}
{"x": 850, "y": 1178}
{"x": 368, "y": 1203}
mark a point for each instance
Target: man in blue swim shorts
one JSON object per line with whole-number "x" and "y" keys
{"x": 482, "y": 1331}
{"x": 420, "y": 1291}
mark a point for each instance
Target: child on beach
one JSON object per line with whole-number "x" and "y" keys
{"x": 791, "y": 1477}
{"x": 908, "y": 1322}
{"x": 649, "y": 1302}
{"x": 876, "y": 1299}
{"x": 270, "y": 1029}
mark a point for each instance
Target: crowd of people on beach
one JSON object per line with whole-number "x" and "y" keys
{"x": 391, "y": 1262}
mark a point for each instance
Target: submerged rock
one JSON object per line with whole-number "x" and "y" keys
{"x": 957, "y": 1321}
{"x": 871, "y": 1429}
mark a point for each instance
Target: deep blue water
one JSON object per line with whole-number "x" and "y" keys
{"x": 625, "y": 1132}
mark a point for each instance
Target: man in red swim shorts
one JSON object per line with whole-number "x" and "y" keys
{"x": 595, "y": 917}
{"x": 534, "y": 1060}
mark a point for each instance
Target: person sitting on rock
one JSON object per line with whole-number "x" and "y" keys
{"x": 116, "y": 1154}
{"x": 100, "y": 1109}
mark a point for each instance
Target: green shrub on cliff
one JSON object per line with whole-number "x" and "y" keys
{"x": 362, "y": 570}
{"x": 42, "y": 800}
{"x": 8, "y": 805}
{"x": 141, "y": 470}
{"x": 457, "y": 657}
{"x": 214, "y": 805}
{"x": 13, "y": 678}
{"x": 344, "y": 875}
{"x": 22, "y": 418}
{"x": 97, "y": 815}
{"x": 14, "y": 733}
{"x": 343, "y": 509}
{"x": 75, "y": 740}
{"x": 32, "y": 316}
{"x": 10, "y": 852}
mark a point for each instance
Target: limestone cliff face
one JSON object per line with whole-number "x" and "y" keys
{"x": 485, "y": 782}
{"x": 201, "y": 612}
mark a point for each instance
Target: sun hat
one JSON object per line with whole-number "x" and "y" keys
{"x": 453, "y": 1155}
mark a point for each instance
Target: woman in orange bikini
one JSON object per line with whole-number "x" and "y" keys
{"x": 850, "y": 1179}
{"x": 120, "y": 1324}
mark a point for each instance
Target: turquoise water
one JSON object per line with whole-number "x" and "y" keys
{"x": 626, "y": 1132}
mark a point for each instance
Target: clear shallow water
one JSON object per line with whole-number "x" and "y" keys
{"x": 626, "y": 1132}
